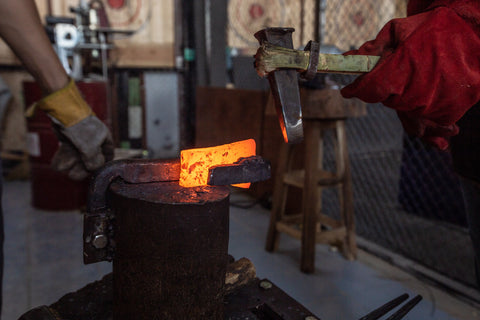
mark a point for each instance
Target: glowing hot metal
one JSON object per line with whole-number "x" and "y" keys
{"x": 194, "y": 163}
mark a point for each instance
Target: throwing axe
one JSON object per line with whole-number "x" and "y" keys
{"x": 280, "y": 63}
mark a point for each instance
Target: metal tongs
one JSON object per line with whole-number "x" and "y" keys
{"x": 387, "y": 307}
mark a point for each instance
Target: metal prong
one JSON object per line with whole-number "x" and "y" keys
{"x": 384, "y": 309}
{"x": 405, "y": 308}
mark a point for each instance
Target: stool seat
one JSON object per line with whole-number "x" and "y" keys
{"x": 326, "y": 111}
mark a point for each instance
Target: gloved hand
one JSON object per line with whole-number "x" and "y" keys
{"x": 429, "y": 69}
{"x": 85, "y": 141}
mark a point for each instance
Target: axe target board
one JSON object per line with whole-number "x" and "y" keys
{"x": 245, "y": 17}
{"x": 348, "y": 24}
{"x": 123, "y": 14}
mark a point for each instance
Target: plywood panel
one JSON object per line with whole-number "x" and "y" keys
{"x": 152, "y": 21}
{"x": 153, "y": 43}
{"x": 150, "y": 46}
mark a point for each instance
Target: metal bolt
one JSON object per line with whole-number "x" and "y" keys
{"x": 265, "y": 285}
{"x": 310, "y": 318}
{"x": 100, "y": 241}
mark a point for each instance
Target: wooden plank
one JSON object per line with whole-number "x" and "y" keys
{"x": 154, "y": 20}
{"x": 311, "y": 197}
{"x": 331, "y": 236}
{"x": 328, "y": 221}
{"x": 143, "y": 56}
{"x": 290, "y": 230}
{"x": 239, "y": 274}
{"x": 293, "y": 218}
{"x": 279, "y": 199}
{"x": 347, "y": 209}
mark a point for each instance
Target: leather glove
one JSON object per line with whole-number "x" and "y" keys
{"x": 85, "y": 142}
{"x": 429, "y": 69}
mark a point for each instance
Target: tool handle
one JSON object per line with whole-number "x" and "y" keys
{"x": 384, "y": 309}
{"x": 270, "y": 58}
{"x": 405, "y": 308}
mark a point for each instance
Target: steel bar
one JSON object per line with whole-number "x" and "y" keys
{"x": 384, "y": 309}
{"x": 405, "y": 308}
{"x": 250, "y": 169}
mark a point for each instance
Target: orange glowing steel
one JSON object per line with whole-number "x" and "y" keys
{"x": 194, "y": 163}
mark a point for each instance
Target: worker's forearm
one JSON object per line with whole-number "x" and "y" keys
{"x": 21, "y": 28}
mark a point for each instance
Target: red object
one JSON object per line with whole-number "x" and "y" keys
{"x": 116, "y": 4}
{"x": 52, "y": 190}
{"x": 256, "y": 11}
{"x": 429, "y": 69}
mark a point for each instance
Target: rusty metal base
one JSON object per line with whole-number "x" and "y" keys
{"x": 260, "y": 299}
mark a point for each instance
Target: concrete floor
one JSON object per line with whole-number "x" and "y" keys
{"x": 43, "y": 261}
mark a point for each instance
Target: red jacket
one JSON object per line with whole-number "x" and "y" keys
{"x": 429, "y": 70}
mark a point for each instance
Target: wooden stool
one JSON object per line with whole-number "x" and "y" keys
{"x": 323, "y": 110}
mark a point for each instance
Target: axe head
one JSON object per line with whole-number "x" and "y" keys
{"x": 284, "y": 87}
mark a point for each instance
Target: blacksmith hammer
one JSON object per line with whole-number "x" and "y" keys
{"x": 277, "y": 59}
{"x": 284, "y": 86}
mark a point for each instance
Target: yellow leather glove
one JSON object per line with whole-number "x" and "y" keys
{"x": 85, "y": 141}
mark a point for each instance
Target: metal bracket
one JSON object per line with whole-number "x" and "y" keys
{"x": 311, "y": 72}
{"x": 98, "y": 233}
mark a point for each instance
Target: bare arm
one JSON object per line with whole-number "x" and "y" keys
{"x": 21, "y": 28}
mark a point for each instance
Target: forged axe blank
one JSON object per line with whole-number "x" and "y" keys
{"x": 284, "y": 87}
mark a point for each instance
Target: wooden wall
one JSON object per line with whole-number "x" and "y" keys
{"x": 151, "y": 46}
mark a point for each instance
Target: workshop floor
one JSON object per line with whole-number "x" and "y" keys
{"x": 43, "y": 261}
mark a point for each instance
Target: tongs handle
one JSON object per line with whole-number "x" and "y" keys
{"x": 405, "y": 308}
{"x": 384, "y": 309}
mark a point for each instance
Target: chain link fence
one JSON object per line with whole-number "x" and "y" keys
{"x": 407, "y": 198}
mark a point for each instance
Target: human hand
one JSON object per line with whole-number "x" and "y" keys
{"x": 429, "y": 72}
{"x": 84, "y": 147}
{"x": 85, "y": 141}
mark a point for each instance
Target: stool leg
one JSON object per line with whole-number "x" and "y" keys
{"x": 346, "y": 192}
{"x": 279, "y": 197}
{"x": 310, "y": 195}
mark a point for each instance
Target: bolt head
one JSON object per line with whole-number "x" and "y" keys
{"x": 265, "y": 285}
{"x": 100, "y": 241}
